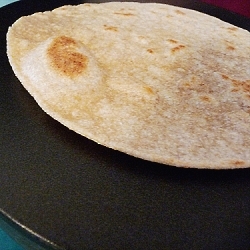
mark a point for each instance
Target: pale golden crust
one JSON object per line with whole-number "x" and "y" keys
{"x": 136, "y": 83}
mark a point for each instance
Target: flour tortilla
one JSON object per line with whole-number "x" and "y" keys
{"x": 158, "y": 82}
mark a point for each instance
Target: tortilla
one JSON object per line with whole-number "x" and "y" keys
{"x": 158, "y": 82}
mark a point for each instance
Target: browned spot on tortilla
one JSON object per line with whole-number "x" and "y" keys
{"x": 225, "y": 77}
{"x": 238, "y": 85}
{"x": 248, "y": 96}
{"x": 172, "y": 41}
{"x": 238, "y": 163}
{"x": 124, "y": 14}
{"x": 187, "y": 85}
{"x": 205, "y": 98}
{"x": 232, "y": 28}
{"x": 180, "y": 12}
{"x": 111, "y": 28}
{"x": 178, "y": 48}
{"x": 230, "y": 47}
{"x": 148, "y": 90}
{"x": 243, "y": 85}
{"x": 234, "y": 90}
{"x": 65, "y": 58}
{"x": 150, "y": 51}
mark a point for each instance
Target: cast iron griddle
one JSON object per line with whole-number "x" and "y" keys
{"x": 77, "y": 194}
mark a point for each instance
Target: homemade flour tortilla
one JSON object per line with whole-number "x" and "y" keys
{"x": 158, "y": 82}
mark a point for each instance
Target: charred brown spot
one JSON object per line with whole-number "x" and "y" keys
{"x": 172, "y": 41}
{"x": 238, "y": 163}
{"x": 234, "y": 90}
{"x": 238, "y": 85}
{"x": 225, "y": 77}
{"x": 149, "y": 90}
{"x": 248, "y": 96}
{"x": 178, "y": 48}
{"x": 232, "y": 28}
{"x": 230, "y": 47}
{"x": 124, "y": 14}
{"x": 111, "y": 28}
{"x": 65, "y": 58}
{"x": 187, "y": 85}
{"x": 180, "y": 12}
{"x": 205, "y": 98}
{"x": 150, "y": 51}
{"x": 243, "y": 85}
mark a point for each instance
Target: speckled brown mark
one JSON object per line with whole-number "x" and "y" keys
{"x": 238, "y": 85}
{"x": 248, "y": 96}
{"x": 205, "y": 98}
{"x": 238, "y": 163}
{"x": 65, "y": 58}
{"x": 234, "y": 90}
{"x": 187, "y": 85}
{"x": 172, "y": 41}
{"x": 124, "y": 14}
{"x": 179, "y": 12}
{"x": 150, "y": 51}
{"x": 243, "y": 85}
{"x": 230, "y": 47}
{"x": 225, "y": 77}
{"x": 149, "y": 90}
{"x": 232, "y": 28}
{"x": 178, "y": 48}
{"x": 111, "y": 28}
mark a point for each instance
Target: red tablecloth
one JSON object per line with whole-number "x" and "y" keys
{"x": 239, "y": 6}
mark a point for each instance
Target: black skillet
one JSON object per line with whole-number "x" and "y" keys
{"x": 58, "y": 187}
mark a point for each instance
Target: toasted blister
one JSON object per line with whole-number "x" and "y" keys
{"x": 61, "y": 65}
{"x": 159, "y": 82}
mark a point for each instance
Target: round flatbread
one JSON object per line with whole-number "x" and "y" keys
{"x": 158, "y": 82}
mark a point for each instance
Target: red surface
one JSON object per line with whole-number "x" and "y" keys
{"x": 239, "y": 6}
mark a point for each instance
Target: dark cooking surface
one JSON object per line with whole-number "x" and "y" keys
{"x": 81, "y": 195}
